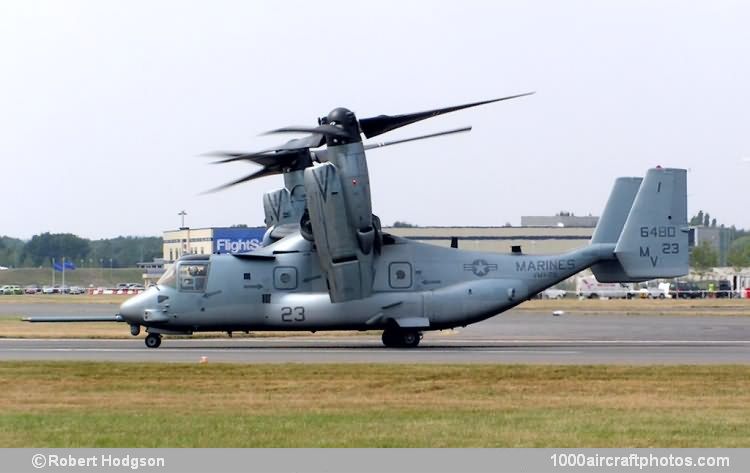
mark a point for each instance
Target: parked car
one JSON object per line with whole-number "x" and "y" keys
{"x": 32, "y": 289}
{"x": 76, "y": 290}
{"x": 10, "y": 290}
{"x": 645, "y": 291}
{"x": 553, "y": 293}
{"x": 724, "y": 289}
{"x": 685, "y": 290}
{"x": 51, "y": 289}
{"x": 588, "y": 287}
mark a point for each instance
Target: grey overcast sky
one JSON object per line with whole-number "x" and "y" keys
{"x": 106, "y": 106}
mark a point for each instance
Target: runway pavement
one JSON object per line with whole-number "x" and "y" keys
{"x": 369, "y": 350}
{"x": 515, "y": 337}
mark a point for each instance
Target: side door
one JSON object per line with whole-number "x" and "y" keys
{"x": 192, "y": 279}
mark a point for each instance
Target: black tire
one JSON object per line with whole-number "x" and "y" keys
{"x": 153, "y": 340}
{"x": 661, "y": 296}
{"x": 410, "y": 338}
{"x": 389, "y": 338}
{"x": 401, "y": 338}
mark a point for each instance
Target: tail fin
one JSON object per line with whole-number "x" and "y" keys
{"x": 654, "y": 240}
{"x": 610, "y": 227}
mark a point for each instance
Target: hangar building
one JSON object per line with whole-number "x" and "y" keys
{"x": 533, "y": 240}
{"x": 206, "y": 241}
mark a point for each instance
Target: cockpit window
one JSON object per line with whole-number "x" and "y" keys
{"x": 167, "y": 279}
{"x": 192, "y": 276}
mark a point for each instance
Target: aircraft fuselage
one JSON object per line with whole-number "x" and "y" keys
{"x": 416, "y": 286}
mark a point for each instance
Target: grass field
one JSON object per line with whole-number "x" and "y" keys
{"x": 62, "y": 299}
{"x": 80, "y": 277}
{"x": 50, "y": 404}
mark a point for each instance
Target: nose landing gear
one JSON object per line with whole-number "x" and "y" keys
{"x": 153, "y": 340}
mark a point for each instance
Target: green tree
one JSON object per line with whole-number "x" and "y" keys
{"x": 117, "y": 252}
{"x": 125, "y": 251}
{"x": 706, "y": 219}
{"x": 703, "y": 257}
{"x": 697, "y": 219}
{"x": 42, "y": 248}
{"x": 11, "y": 251}
{"x": 739, "y": 253}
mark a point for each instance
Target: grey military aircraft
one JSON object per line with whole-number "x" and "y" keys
{"x": 326, "y": 264}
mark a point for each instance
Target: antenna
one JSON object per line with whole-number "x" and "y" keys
{"x": 182, "y": 219}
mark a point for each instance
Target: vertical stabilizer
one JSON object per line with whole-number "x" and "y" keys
{"x": 617, "y": 210}
{"x": 610, "y": 226}
{"x": 654, "y": 240}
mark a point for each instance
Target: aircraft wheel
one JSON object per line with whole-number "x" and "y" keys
{"x": 389, "y": 338}
{"x": 410, "y": 338}
{"x": 153, "y": 340}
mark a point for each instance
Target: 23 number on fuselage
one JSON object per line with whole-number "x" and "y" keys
{"x": 293, "y": 314}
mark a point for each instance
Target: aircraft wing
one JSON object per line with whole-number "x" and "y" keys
{"x": 83, "y": 318}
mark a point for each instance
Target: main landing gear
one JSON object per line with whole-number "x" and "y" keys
{"x": 400, "y": 338}
{"x": 153, "y": 340}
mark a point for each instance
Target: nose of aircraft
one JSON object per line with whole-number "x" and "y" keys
{"x": 132, "y": 309}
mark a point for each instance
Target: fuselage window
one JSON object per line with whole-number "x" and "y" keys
{"x": 167, "y": 279}
{"x": 193, "y": 276}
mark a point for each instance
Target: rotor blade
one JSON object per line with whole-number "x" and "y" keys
{"x": 375, "y": 126}
{"x": 330, "y": 130}
{"x": 232, "y": 157}
{"x": 312, "y": 141}
{"x": 256, "y": 175}
{"x": 267, "y": 159}
{"x": 226, "y": 154}
{"x": 416, "y": 138}
{"x": 229, "y": 157}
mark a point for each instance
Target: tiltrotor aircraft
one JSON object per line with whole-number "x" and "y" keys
{"x": 326, "y": 264}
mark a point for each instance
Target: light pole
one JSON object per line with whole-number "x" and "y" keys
{"x": 184, "y": 228}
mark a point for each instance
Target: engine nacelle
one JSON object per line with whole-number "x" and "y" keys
{"x": 344, "y": 235}
{"x": 276, "y": 206}
{"x": 351, "y": 164}
{"x": 284, "y": 206}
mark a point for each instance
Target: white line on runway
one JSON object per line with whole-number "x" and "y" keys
{"x": 279, "y": 350}
{"x": 601, "y": 342}
{"x": 431, "y": 341}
